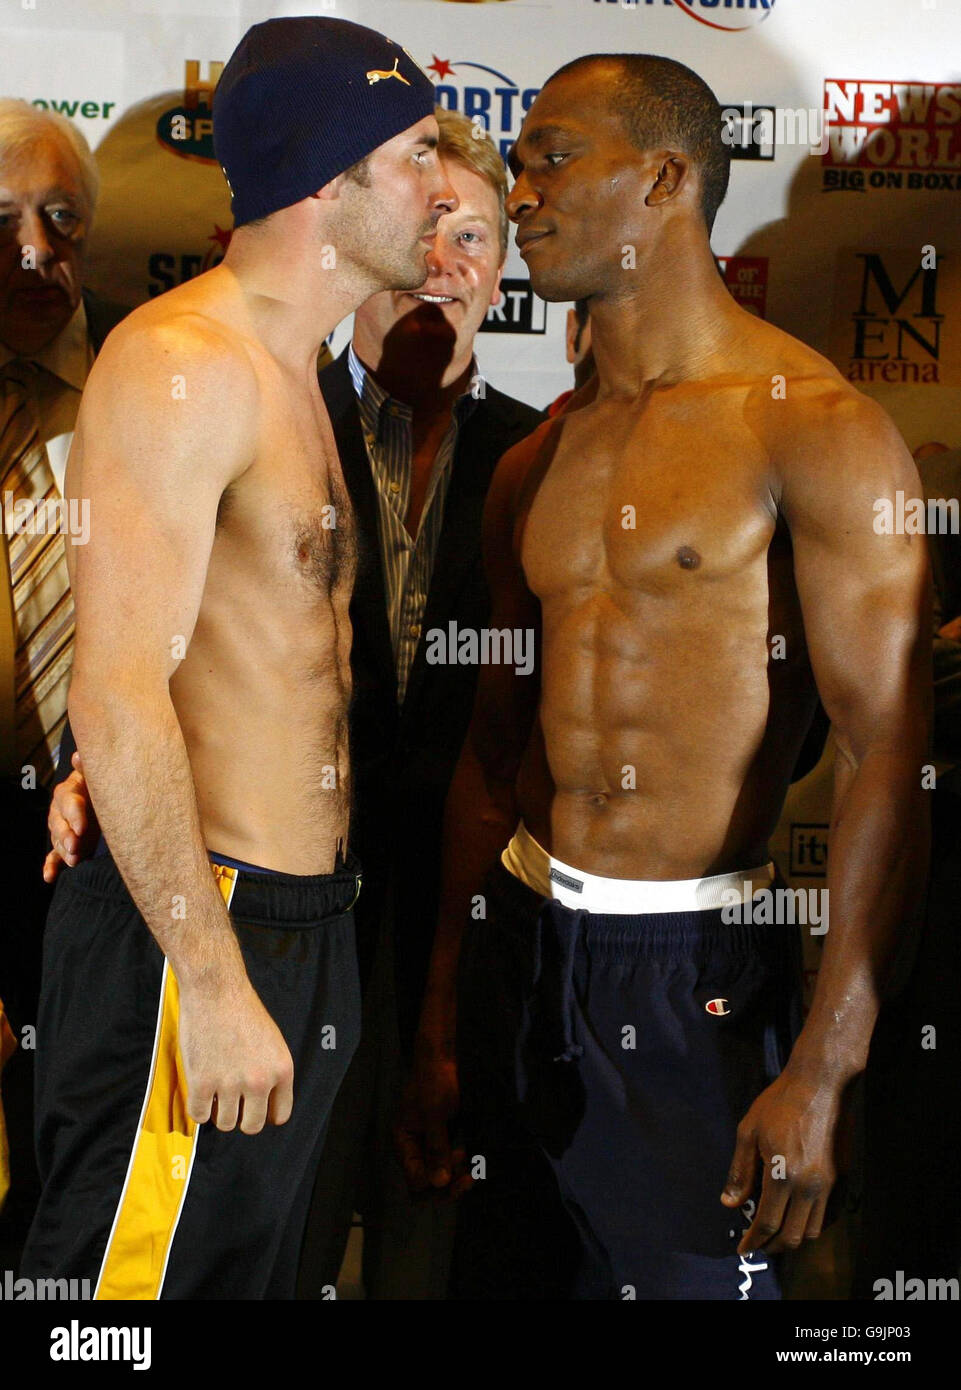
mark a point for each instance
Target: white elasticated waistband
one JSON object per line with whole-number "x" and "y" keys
{"x": 551, "y": 878}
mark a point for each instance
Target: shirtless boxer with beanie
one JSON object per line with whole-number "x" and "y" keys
{"x": 200, "y": 999}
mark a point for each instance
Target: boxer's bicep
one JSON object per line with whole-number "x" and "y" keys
{"x": 863, "y": 586}
{"x": 166, "y": 425}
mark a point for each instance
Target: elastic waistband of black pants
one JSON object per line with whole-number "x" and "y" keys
{"x": 288, "y": 900}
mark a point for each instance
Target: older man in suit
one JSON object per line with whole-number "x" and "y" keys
{"x": 50, "y": 330}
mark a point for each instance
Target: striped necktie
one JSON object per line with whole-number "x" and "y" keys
{"x": 42, "y": 602}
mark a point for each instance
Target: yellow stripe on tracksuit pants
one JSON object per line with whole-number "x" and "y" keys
{"x": 155, "y": 1188}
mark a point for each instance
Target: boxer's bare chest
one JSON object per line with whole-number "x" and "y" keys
{"x": 660, "y": 497}
{"x": 292, "y": 506}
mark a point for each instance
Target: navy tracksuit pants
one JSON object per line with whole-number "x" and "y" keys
{"x": 590, "y": 1037}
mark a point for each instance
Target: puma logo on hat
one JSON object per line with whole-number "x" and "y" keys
{"x": 379, "y": 75}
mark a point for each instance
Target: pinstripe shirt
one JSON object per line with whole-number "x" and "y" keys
{"x": 407, "y": 561}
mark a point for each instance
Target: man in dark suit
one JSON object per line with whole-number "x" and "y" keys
{"x": 50, "y": 330}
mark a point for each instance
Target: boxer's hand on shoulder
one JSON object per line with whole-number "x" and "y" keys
{"x": 72, "y": 823}
{"x": 791, "y": 1129}
{"x": 951, "y": 630}
{"x": 239, "y": 1070}
{"x": 422, "y": 1132}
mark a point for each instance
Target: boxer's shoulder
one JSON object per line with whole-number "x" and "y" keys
{"x": 170, "y": 387}
{"x": 802, "y": 406}
{"x": 184, "y": 338}
{"x": 763, "y": 355}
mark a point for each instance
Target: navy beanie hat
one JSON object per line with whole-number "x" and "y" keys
{"x": 301, "y": 100}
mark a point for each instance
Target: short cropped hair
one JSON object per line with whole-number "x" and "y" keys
{"x": 662, "y": 102}
{"x": 22, "y": 125}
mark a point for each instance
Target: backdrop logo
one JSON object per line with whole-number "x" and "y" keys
{"x": 809, "y": 849}
{"x": 188, "y": 129}
{"x": 730, "y": 15}
{"x": 168, "y": 269}
{"x": 894, "y": 319}
{"x": 749, "y": 131}
{"x": 727, "y": 14}
{"x": 746, "y": 278}
{"x": 892, "y": 135}
{"x": 90, "y": 110}
{"x": 484, "y": 94}
{"x": 519, "y": 310}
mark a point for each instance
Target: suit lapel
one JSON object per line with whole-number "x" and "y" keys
{"x": 369, "y": 605}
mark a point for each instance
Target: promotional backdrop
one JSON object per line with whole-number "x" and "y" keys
{"x": 826, "y": 244}
{"x": 841, "y": 224}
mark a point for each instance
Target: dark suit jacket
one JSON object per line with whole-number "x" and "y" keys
{"x": 403, "y": 758}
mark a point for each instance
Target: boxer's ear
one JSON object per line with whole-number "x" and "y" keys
{"x": 570, "y": 335}
{"x": 670, "y": 177}
{"x": 330, "y": 190}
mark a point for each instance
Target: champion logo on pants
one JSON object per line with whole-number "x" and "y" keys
{"x": 718, "y": 1006}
